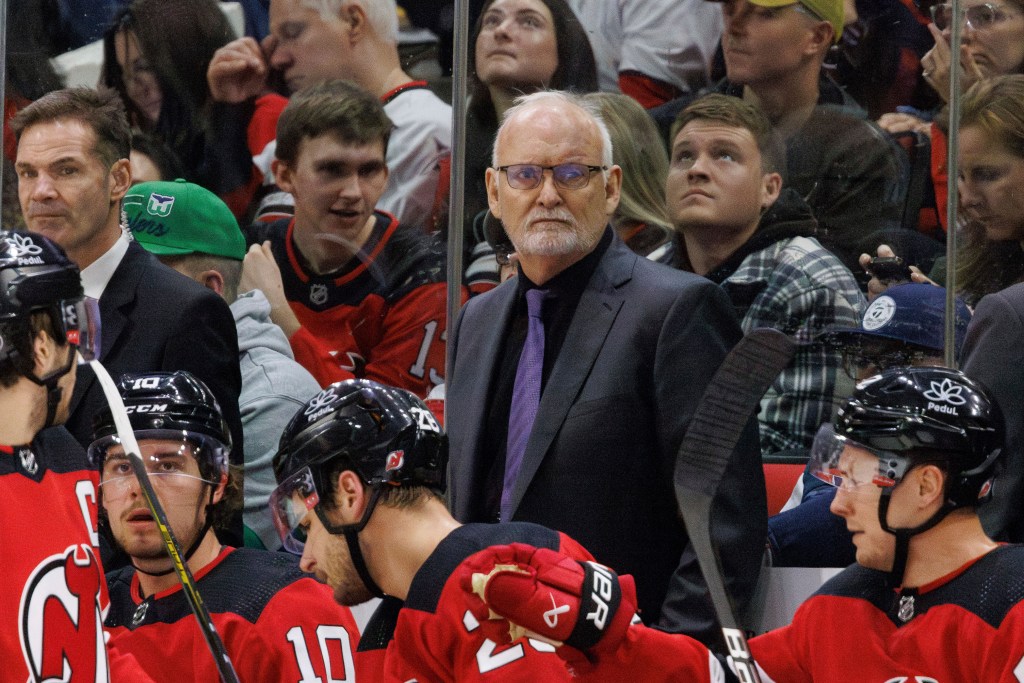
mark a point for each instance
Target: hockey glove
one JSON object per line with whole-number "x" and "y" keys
{"x": 556, "y": 599}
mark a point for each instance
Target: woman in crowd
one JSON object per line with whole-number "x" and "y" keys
{"x": 520, "y": 47}
{"x": 641, "y": 220}
{"x": 156, "y": 55}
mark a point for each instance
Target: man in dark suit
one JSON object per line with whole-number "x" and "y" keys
{"x": 628, "y": 347}
{"x": 73, "y": 171}
{"x": 991, "y": 355}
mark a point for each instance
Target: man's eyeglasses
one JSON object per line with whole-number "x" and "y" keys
{"x": 978, "y": 17}
{"x": 857, "y": 363}
{"x": 566, "y": 176}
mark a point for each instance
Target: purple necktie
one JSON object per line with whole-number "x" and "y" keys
{"x": 525, "y": 397}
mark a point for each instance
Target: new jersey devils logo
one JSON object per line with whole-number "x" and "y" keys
{"x": 61, "y": 621}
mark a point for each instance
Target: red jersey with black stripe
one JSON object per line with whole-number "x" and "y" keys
{"x": 438, "y": 634}
{"x": 277, "y": 623}
{"x": 54, "y": 595}
{"x": 967, "y": 627}
{"x": 380, "y": 317}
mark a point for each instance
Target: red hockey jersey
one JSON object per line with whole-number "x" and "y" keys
{"x": 54, "y": 595}
{"x": 381, "y": 317}
{"x": 442, "y": 633}
{"x": 277, "y": 623}
{"x": 967, "y": 627}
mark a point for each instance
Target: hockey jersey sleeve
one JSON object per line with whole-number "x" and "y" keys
{"x": 401, "y": 344}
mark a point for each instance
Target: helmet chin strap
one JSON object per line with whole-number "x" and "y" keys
{"x": 207, "y": 525}
{"x": 351, "y": 534}
{"x": 53, "y": 390}
{"x": 903, "y": 535}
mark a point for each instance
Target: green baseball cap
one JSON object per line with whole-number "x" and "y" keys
{"x": 177, "y": 218}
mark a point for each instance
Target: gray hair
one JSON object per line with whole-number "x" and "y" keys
{"x": 591, "y": 109}
{"x": 381, "y": 14}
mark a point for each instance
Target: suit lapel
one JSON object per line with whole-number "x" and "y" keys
{"x": 591, "y": 323}
{"x": 118, "y": 295}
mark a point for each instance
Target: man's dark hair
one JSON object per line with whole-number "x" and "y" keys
{"x": 100, "y": 110}
{"x": 339, "y": 108}
{"x": 735, "y": 113}
{"x": 20, "y": 334}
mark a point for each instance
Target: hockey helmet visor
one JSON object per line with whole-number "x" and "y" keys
{"x": 834, "y": 461}
{"x": 290, "y": 503}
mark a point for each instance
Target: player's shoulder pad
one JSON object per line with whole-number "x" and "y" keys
{"x": 429, "y": 582}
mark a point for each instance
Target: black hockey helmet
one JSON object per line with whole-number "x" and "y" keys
{"x": 930, "y": 409}
{"x": 913, "y": 415}
{"x": 385, "y": 435}
{"x": 36, "y": 275}
{"x": 162, "y": 405}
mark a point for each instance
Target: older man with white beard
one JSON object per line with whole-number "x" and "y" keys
{"x": 570, "y": 386}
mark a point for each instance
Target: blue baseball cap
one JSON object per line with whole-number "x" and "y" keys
{"x": 912, "y": 313}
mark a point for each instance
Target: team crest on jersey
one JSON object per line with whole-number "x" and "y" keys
{"x": 318, "y": 294}
{"x": 60, "y": 618}
{"x": 160, "y": 205}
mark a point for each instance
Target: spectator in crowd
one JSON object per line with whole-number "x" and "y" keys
{"x": 312, "y": 41}
{"x": 651, "y": 50}
{"x": 743, "y": 231}
{"x": 356, "y": 294}
{"x": 73, "y": 171}
{"x": 641, "y": 220}
{"x": 626, "y": 347}
{"x": 931, "y": 598}
{"x": 903, "y": 327}
{"x": 376, "y": 524}
{"x": 990, "y": 268}
{"x": 44, "y": 322}
{"x": 519, "y": 47}
{"x": 199, "y": 238}
{"x": 853, "y": 182}
{"x": 162, "y": 81}
{"x": 267, "y": 613}
{"x": 151, "y": 159}
{"x": 992, "y": 39}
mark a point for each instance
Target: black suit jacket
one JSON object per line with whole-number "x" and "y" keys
{"x": 641, "y": 346}
{"x": 991, "y": 355}
{"x": 153, "y": 318}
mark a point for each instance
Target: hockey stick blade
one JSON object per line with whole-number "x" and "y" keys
{"x": 188, "y": 583}
{"x": 728, "y": 403}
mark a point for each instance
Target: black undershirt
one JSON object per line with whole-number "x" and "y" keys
{"x": 565, "y": 290}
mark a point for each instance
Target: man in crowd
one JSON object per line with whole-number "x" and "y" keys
{"x": 774, "y": 51}
{"x": 931, "y": 598}
{"x": 612, "y": 366}
{"x": 54, "y": 595}
{"x": 313, "y": 41}
{"x": 73, "y": 171}
{"x": 269, "y": 615}
{"x": 742, "y": 230}
{"x": 356, "y": 293}
{"x": 362, "y": 472}
{"x": 191, "y": 230}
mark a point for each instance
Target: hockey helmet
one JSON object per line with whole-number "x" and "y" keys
{"x": 385, "y": 435}
{"x": 908, "y": 411}
{"x": 36, "y": 275}
{"x": 163, "y": 405}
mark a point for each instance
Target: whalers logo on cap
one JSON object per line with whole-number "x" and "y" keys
{"x": 160, "y": 204}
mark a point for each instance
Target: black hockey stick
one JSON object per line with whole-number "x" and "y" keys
{"x": 729, "y": 401}
{"x": 188, "y": 583}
